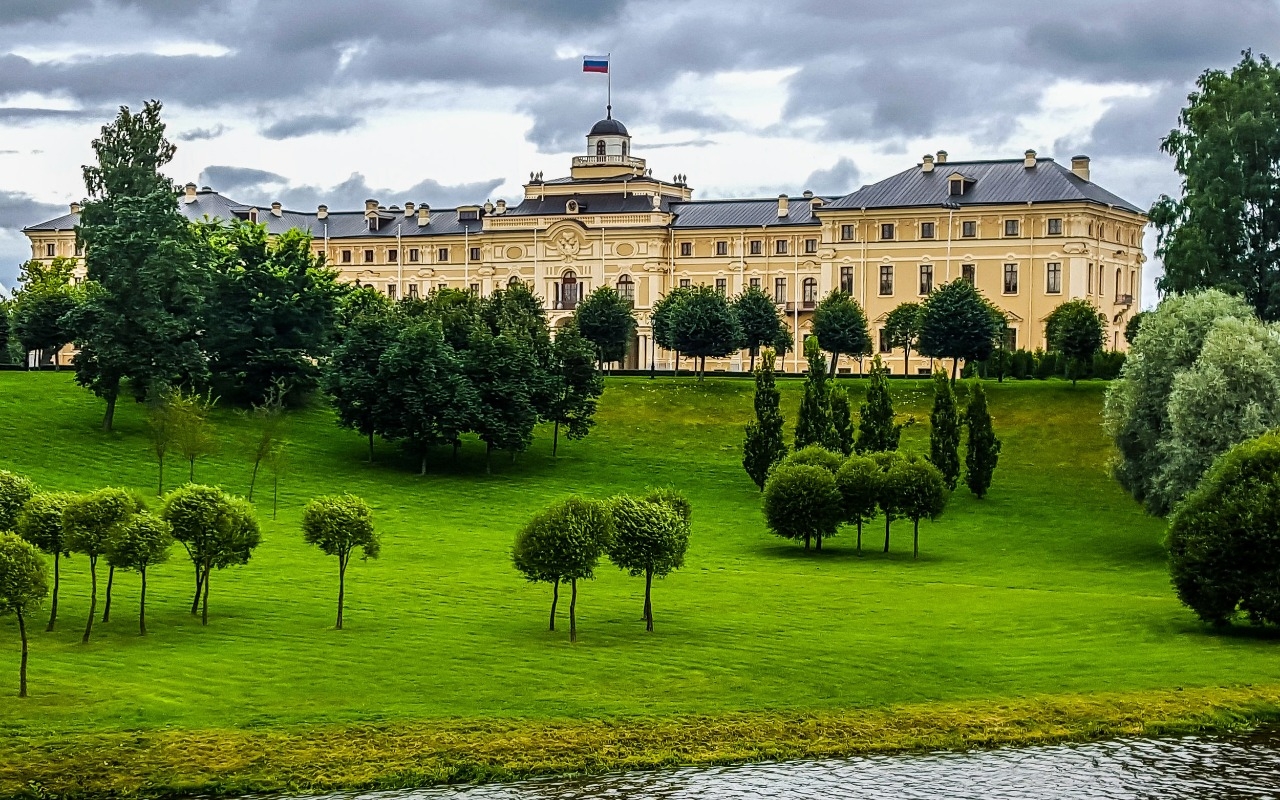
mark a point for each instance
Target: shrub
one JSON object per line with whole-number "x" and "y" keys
{"x": 801, "y": 502}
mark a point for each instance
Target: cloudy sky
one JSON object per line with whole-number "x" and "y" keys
{"x": 441, "y": 102}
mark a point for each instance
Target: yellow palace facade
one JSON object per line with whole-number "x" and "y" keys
{"x": 1028, "y": 232}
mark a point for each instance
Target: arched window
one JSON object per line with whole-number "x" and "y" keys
{"x": 810, "y": 292}
{"x": 1117, "y": 284}
{"x": 624, "y": 149}
{"x": 513, "y": 280}
{"x": 600, "y": 148}
{"x": 568, "y": 291}
{"x": 627, "y": 288}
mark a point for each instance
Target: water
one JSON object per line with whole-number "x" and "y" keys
{"x": 1223, "y": 768}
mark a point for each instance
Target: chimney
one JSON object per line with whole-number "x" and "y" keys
{"x": 322, "y": 212}
{"x": 1080, "y": 166}
{"x": 408, "y": 209}
{"x": 276, "y": 210}
{"x": 424, "y": 215}
{"x": 189, "y": 195}
{"x": 75, "y": 208}
{"x": 783, "y": 206}
{"x": 502, "y": 207}
{"x": 942, "y": 156}
{"x": 927, "y": 165}
{"x": 1029, "y": 159}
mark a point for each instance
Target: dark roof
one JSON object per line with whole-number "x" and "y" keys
{"x": 608, "y": 127}
{"x": 742, "y": 213}
{"x": 993, "y": 182}
{"x": 610, "y": 203}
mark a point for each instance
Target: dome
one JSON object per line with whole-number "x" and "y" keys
{"x": 608, "y": 127}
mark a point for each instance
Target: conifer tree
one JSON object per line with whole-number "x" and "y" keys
{"x": 984, "y": 447}
{"x": 764, "y": 445}
{"x": 877, "y": 432}
{"x": 841, "y": 420}
{"x": 813, "y": 424}
{"x": 944, "y": 430}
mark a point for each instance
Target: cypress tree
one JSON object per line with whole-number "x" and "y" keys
{"x": 877, "y": 431}
{"x": 841, "y": 420}
{"x": 984, "y": 447}
{"x": 813, "y": 424}
{"x": 764, "y": 445}
{"x": 944, "y": 430}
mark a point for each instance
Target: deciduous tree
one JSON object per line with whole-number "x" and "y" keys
{"x": 267, "y": 421}
{"x": 1131, "y": 327}
{"x": 649, "y": 539}
{"x": 142, "y": 543}
{"x": 576, "y": 386}
{"x": 662, "y": 317}
{"x": 564, "y": 543}
{"x": 841, "y": 327}
{"x": 42, "y": 305}
{"x": 957, "y": 322}
{"x": 758, "y": 316}
{"x": 193, "y": 433}
{"x": 764, "y": 445}
{"x": 606, "y": 320}
{"x": 915, "y": 489}
{"x": 23, "y": 587}
{"x": 704, "y": 325}
{"x": 877, "y": 431}
{"x": 338, "y": 525}
{"x": 352, "y": 376}
{"x": 858, "y": 480}
{"x": 902, "y": 329}
{"x": 218, "y": 531}
{"x": 1076, "y": 330}
{"x": 15, "y": 491}
{"x": 801, "y": 502}
{"x": 501, "y": 370}
{"x": 92, "y": 523}
{"x": 944, "y": 430}
{"x": 842, "y": 420}
{"x": 41, "y": 524}
{"x": 815, "y": 455}
{"x": 162, "y": 427}
{"x": 983, "y": 448}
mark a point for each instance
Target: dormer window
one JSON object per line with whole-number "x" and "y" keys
{"x": 470, "y": 213}
{"x": 253, "y": 215}
{"x": 571, "y": 207}
{"x": 958, "y": 184}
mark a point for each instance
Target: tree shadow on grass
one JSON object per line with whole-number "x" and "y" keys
{"x": 844, "y": 550}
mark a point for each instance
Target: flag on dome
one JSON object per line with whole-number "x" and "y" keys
{"x": 595, "y": 64}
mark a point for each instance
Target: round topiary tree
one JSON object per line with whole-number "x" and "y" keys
{"x": 564, "y": 543}
{"x": 22, "y": 588}
{"x": 814, "y": 456}
{"x": 1224, "y": 538}
{"x": 858, "y": 481}
{"x": 649, "y": 539}
{"x": 92, "y": 523}
{"x": 218, "y": 531}
{"x": 915, "y": 489}
{"x": 338, "y": 525}
{"x": 801, "y": 502}
{"x": 41, "y": 524}
{"x": 143, "y": 543}
{"x": 15, "y": 491}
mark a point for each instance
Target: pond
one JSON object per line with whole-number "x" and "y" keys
{"x": 1220, "y": 767}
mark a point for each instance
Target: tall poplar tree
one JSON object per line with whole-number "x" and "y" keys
{"x": 944, "y": 430}
{"x": 813, "y": 423}
{"x": 764, "y": 445}
{"x": 983, "y": 452}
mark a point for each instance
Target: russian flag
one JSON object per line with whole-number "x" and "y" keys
{"x": 595, "y": 64}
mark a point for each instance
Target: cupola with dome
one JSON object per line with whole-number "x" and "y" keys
{"x": 608, "y": 151}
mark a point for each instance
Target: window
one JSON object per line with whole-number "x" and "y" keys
{"x": 969, "y": 272}
{"x": 884, "y": 342}
{"x": 810, "y": 292}
{"x": 846, "y": 280}
{"x": 253, "y": 215}
{"x": 886, "y": 232}
{"x": 368, "y": 256}
{"x": 1010, "y": 227}
{"x": 926, "y": 278}
{"x": 627, "y": 289}
{"x": 886, "y": 279}
{"x": 846, "y": 233}
{"x": 413, "y": 290}
{"x": 811, "y": 245}
{"x": 414, "y": 255}
{"x": 79, "y": 248}
{"x": 927, "y": 230}
{"x": 393, "y": 255}
{"x": 1053, "y": 277}
{"x": 684, "y": 283}
{"x": 1088, "y": 280}
{"x": 686, "y": 248}
{"x": 1102, "y": 231}
{"x": 969, "y": 228}
{"x": 513, "y": 280}
{"x": 442, "y": 255}
{"x": 50, "y": 249}
{"x": 475, "y": 288}
{"x": 779, "y": 290}
{"x": 346, "y": 256}
{"x": 1055, "y": 226}
{"x": 567, "y": 291}
{"x": 755, "y": 283}
{"x": 722, "y": 248}
{"x": 475, "y": 254}
{"x": 1010, "y": 278}
{"x": 757, "y": 247}
{"x": 780, "y": 247}
{"x": 600, "y": 148}
{"x": 391, "y": 291}
{"x": 722, "y": 286}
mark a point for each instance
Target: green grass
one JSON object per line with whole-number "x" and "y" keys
{"x": 1055, "y": 584}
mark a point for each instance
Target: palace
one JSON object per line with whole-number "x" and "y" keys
{"x": 1030, "y": 233}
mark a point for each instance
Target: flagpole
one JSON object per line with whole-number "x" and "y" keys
{"x": 608, "y": 74}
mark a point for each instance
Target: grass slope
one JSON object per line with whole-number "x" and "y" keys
{"x": 1056, "y": 583}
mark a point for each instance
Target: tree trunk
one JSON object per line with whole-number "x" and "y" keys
{"x": 555, "y": 598}
{"x": 573, "y": 612}
{"x": 555, "y": 439}
{"x": 648, "y": 602}
{"x": 422, "y": 465}
{"x": 22, "y": 671}
{"x": 53, "y": 609}
{"x": 753, "y": 359}
{"x": 109, "y": 417}
{"x": 342, "y": 587}
{"x": 819, "y": 543}
{"x": 955, "y": 365}
{"x": 204, "y": 605}
{"x": 456, "y": 444}
{"x": 677, "y": 370}
{"x": 191, "y": 474}
{"x": 835, "y": 357}
{"x": 859, "y": 537}
{"x": 886, "y": 532}
{"x": 160, "y": 487}
{"x": 93, "y": 597}
{"x": 370, "y": 447}
{"x": 915, "y": 539}
{"x": 906, "y": 361}
{"x": 253, "y": 479}
{"x": 195, "y": 601}
{"x": 106, "y": 607}
{"x": 806, "y": 541}
{"x": 142, "y": 605}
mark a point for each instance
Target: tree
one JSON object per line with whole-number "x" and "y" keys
{"x": 858, "y": 480}
{"x": 277, "y": 460}
{"x": 23, "y": 587}
{"x": 673, "y": 499}
{"x": 982, "y": 452}
{"x": 564, "y": 543}
{"x": 877, "y": 432}
{"x": 140, "y": 320}
{"x": 499, "y": 369}
{"x": 576, "y": 386}
{"x": 957, "y": 322}
{"x": 886, "y": 461}
{"x": 41, "y": 524}
{"x": 217, "y": 530}
{"x": 1224, "y": 539}
{"x": 662, "y": 317}
{"x": 944, "y": 430}
{"x": 15, "y": 491}
{"x": 193, "y": 433}
{"x": 605, "y": 319}
{"x": 92, "y": 522}
{"x": 814, "y": 456}
{"x": 841, "y": 327}
{"x": 1224, "y": 229}
{"x": 649, "y": 539}
{"x": 268, "y": 421}
{"x": 758, "y": 316}
{"x": 813, "y": 422}
{"x": 40, "y": 309}
{"x": 703, "y": 324}
{"x": 163, "y": 422}
{"x": 142, "y": 543}
{"x": 915, "y": 489}
{"x": 801, "y": 502}
{"x": 842, "y": 420}
{"x": 764, "y": 445}
{"x": 1136, "y": 411}
{"x": 902, "y": 329}
{"x": 1131, "y": 327}
{"x": 338, "y": 525}
{"x": 352, "y": 376}
{"x": 1076, "y": 330}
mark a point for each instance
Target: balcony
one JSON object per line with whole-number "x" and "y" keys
{"x": 1124, "y": 299}
{"x": 608, "y": 161}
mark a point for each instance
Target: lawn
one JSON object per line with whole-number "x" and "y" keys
{"x": 1056, "y": 583}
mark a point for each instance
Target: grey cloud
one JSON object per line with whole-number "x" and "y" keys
{"x": 230, "y": 180}
{"x": 202, "y": 134}
{"x": 250, "y": 185}
{"x": 14, "y": 115}
{"x": 18, "y": 210}
{"x": 840, "y": 178}
{"x": 1132, "y": 127}
{"x": 307, "y": 124}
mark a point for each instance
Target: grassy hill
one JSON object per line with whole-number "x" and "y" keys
{"x": 1056, "y": 583}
